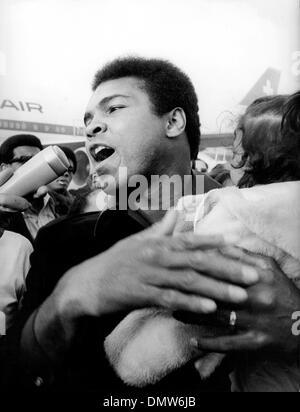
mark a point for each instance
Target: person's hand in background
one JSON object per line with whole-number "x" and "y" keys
{"x": 11, "y": 203}
{"x": 41, "y": 192}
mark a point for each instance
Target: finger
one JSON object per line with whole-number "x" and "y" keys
{"x": 191, "y": 241}
{"x": 237, "y": 253}
{"x": 264, "y": 263}
{"x": 254, "y": 259}
{"x": 14, "y": 203}
{"x": 5, "y": 175}
{"x": 8, "y": 210}
{"x": 244, "y": 319}
{"x": 262, "y": 297}
{"x": 249, "y": 341}
{"x": 41, "y": 192}
{"x": 209, "y": 262}
{"x": 167, "y": 225}
{"x": 219, "y": 322}
{"x": 175, "y": 300}
{"x": 208, "y": 364}
{"x": 191, "y": 282}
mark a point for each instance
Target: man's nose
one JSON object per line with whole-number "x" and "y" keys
{"x": 95, "y": 128}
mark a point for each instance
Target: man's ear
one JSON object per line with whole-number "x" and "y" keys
{"x": 176, "y": 122}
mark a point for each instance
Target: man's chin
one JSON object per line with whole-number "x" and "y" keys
{"x": 115, "y": 187}
{"x": 108, "y": 186}
{"x": 112, "y": 183}
{"x": 108, "y": 190}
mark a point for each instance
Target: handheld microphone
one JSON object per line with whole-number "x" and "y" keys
{"x": 41, "y": 170}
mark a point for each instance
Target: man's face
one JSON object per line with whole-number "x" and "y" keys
{"x": 62, "y": 183}
{"x": 123, "y": 131}
{"x": 21, "y": 155}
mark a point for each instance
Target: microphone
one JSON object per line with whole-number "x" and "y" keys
{"x": 41, "y": 170}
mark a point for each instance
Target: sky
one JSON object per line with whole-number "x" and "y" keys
{"x": 50, "y": 49}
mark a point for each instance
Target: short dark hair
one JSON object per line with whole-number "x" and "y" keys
{"x": 70, "y": 155}
{"x": 8, "y": 146}
{"x": 270, "y": 156}
{"x": 167, "y": 86}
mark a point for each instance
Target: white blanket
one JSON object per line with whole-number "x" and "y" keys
{"x": 148, "y": 344}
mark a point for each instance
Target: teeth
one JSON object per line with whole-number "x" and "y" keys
{"x": 101, "y": 153}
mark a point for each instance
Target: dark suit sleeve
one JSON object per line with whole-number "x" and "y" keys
{"x": 14, "y": 222}
{"x": 57, "y": 248}
{"x": 38, "y": 283}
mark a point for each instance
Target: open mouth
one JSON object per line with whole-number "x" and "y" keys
{"x": 101, "y": 153}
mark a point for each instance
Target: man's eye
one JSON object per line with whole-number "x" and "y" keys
{"x": 113, "y": 109}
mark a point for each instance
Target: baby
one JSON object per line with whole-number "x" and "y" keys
{"x": 149, "y": 344}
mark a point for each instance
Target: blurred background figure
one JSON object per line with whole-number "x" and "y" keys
{"x": 62, "y": 183}
{"x": 15, "y": 152}
{"x": 49, "y": 202}
{"x": 15, "y": 251}
{"x": 89, "y": 198}
{"x": 58, "y": 189}
{"x": 262, "y": 154}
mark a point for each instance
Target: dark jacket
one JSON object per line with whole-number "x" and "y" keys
{"x": 14, "y": 222}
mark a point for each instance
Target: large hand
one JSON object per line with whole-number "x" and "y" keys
{"x": 10, "y": 203}
{"x": 265, "y": 321}
{"x": 152, "y": 268}
{"x": 155, "y": 269}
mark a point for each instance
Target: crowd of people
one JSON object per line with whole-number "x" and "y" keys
{"x": 90, "y": 296}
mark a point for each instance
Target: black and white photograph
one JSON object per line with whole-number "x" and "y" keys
{"x": 149, "y": 200}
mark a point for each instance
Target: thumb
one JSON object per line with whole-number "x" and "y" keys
{"x": 41, "y": 192}
{"x": 166, "y": 226}
{"x": 5, "y": 175}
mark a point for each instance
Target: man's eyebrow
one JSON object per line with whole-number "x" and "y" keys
{"x": 107, "y": 99}
{"x": 103, "y": 102}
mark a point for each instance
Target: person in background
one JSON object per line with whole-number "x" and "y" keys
{"x": 14, "y": 257}
{"x": 14, "y": 152}
{"x": 262, "y": 153}
{"x": 90, "y": 198}
{"x": 58, "y": 189}
{"x": 267, "y": 161}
